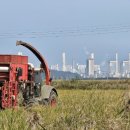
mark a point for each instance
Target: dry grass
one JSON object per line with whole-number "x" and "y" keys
{"x": 92, "y": 84}
{"x": 76, "y": 110}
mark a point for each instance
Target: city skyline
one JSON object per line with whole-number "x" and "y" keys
{"x": 109, "y": 58}
{"x": 115, "y": 68}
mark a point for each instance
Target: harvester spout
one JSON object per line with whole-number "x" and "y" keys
{"x": 40, "y": 57}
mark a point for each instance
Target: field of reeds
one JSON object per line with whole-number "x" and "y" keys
{"x": 92, "y": 84}
{"x": 77, "y": 109}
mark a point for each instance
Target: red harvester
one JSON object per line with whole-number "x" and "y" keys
{"x": 18, "y": 77}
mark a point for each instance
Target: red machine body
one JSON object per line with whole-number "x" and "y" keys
{"x": 9, "y": 71}
{"x": 18, "y": 76}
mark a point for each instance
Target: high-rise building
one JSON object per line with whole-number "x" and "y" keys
{"x": 92, "y": 70}
{"x": 63, "y": 61}
{"x": 90, "y": 66}
{"x": 114, "y": 68}
{"x": 73, "y": 67}
{"x": 117, "y": 66}
{"x": 126, "y": 68}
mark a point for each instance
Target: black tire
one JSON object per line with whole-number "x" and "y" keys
{"x": 53, "y": 99}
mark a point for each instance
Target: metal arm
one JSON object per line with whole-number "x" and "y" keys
{"x": 40, "y": 57}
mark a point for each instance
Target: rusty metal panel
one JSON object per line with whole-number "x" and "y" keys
{"x": 14, "y": 59}
{"x": 13, "y": 73}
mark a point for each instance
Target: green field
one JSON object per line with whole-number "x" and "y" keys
{"x": 76, "y": 110}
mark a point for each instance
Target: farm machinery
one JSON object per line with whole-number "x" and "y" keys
{"x": 21, "y": 81}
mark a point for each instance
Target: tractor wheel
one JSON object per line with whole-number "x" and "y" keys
{"x": 53, "y": 99}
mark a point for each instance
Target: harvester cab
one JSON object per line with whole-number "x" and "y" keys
{"x": 18, "y": 77}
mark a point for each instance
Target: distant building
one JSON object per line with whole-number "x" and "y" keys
{"x": 81, "y": 69}
{"x": 63, "y": 62}
{"x": 114, "y": 68}
{"x": 97, "y": 71}
{"x": 126, "y": 68}
{"x": 55, "y": 67}
{"x": 117, "y": 74}
{"x": 90, "y": 66}
{"x": 69, "y": 68}
{"x": 92, "y": 70}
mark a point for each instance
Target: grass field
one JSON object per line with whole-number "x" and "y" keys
{"x": 76, "y": 110}
{"x": 92, "y": 84}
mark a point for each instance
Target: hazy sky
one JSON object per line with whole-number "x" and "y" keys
{"x": 77, "y": 27}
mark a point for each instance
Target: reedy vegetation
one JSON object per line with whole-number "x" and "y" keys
{"x": 92, "y": 84}
{"x": 77, "y": 109}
